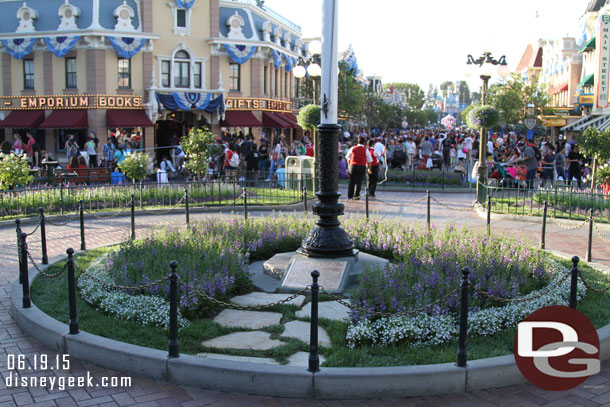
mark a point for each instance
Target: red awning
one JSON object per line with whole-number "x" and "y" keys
{"x": 240, "y": 118}
{"x": 66, "y": 119}
{"x": 273, "y": 120}
{"x": 23, "y": 119}
{"x": 127, "y": 118}
{"x": 290, "y": 118}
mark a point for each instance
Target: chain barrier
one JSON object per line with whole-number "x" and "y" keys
{"x": 453, "y": 208}
{"x": 43, "y": 273}
{"x": 114, "y": 215}
{"x": 389, "y": 314}
{"x": 33, "y": 231}
{"x": 221, "y": 205}
{"x": 584, "y": 222}
{"x": 118, "y": 287}
{"x": 166, "y": 211}
{"x": 539, "y": 294}
{"x": 599, "y": 232}
{"x": 243, "y": 307}
{"x": 63, "y": 223}
{"x": 403, "y": 205}
{"x": 589, "y": 287}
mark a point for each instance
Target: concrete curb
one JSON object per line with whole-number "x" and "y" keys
{"x": 270, "y": 380}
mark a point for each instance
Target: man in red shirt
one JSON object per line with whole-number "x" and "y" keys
{"x": 359, "y": 160}
{"x": 309, "y": 151}
{"x": 374, "y": 170}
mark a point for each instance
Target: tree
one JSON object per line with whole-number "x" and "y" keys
{"x": 595, "y": 143}
{"x": 14, "y": 171}
{"x": 199, "y": 147}
{"x": 464, "y": 92}
{"x": 309, "y": 118}
{"x": 135, "y": 166}
{"x": 512, "y": 97}
{"x": 446, "y": 87}
{"x": 351, "y": 93}
{"x": 415, "y": 95}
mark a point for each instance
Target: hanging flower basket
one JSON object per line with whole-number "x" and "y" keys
{"x": 483, "y": 116}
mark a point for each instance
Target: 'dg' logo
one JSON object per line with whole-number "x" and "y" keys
{"x": 557, "y": 348}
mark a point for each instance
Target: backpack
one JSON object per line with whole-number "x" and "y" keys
{"x": 234, "y": 161}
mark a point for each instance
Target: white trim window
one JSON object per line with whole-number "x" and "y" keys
{"x": 181, "y": 70}
{"x": 182, "y": 19}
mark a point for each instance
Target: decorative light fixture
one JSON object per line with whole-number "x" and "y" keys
{"x": 310, "y": 66}
{"x": 486, "y": 63}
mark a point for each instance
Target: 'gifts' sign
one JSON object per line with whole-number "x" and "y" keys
{"x": 604, "y": 61}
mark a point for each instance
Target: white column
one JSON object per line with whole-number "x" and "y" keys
{"x": 328, "y": 91}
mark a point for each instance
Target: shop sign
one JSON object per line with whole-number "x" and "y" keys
{"x": 585, "y": 100}
{"x": 604, "y": 62}
{"x": 258, "y": 104}
{"x": 63, "y": 102}
{"x": 554, "y": 122}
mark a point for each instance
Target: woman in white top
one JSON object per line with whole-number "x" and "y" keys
{"x": 411, "y": 149}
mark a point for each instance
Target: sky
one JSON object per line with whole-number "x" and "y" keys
{"x": 428, "y": 41}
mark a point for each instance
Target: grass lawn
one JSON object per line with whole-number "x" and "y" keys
{"x": 52, "y": 297}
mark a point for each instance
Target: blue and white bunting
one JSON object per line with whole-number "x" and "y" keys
{"x": 187, "y": 4}
{"x": 126, "y": 47}
{"x": 277, "y": 59}
{"x": 18, "y": 48}
{"x": 61, "y": 45}
{"x": 290, "y": 62}
{"x": 240, "y": 53}
{"x": 188, "y": 101}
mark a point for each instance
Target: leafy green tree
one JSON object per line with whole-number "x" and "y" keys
{"x": 199, "y": 147}
{"x": 446, "y": 87}
{"x": 595, "y": 143}
{"x": 415, "y": 95}
{"x": 464, "y": 95}
{"x": 309, "y": 117}
{"x": 465, "y": 113}
{"x": 351, "y": 93}
{"x": 14, "y": 171}
{"x": 511, "y": 98}
{"x": 135, "y": 166}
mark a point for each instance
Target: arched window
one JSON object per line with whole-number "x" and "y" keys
{"x": 182, "y": 72}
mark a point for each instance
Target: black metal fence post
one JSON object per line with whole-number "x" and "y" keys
{"x": 489, "y": 214}
{"x": 245, "y": 193}
{"x": 590, "y": 243}
{"x": 61, "y": 198}
{"x": 314, "y": 359}
{"x": 543, "y": 236}
{"x": 186, "y": 206}
{"x": 574, "y": 281}
{"x": 133, "y": 217}
{"x": 19, "y": 247}
{"x": 428, "y": 209}
{"x": 72, "y": 293}
{"x": 305, "y": 199}
{"x": 366, "y": 203}
{"x": 82, "y": 226}
{"x": 25, "y": 278}
{"x": 173, "y": 311}
{"x": 43, "y": 238}
{"x": 461, "y": 353}
{"x": 141, "y": 195}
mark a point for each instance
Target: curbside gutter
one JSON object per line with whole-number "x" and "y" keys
{"x": 270, "y": 380}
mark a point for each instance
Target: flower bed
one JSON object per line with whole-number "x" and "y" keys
{"x": 214, "y": 254}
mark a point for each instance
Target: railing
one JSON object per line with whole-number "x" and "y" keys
{"x": 225, "y": 190}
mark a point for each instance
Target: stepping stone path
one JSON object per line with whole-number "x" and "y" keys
{"x": 259, "y": 298}
{"x": 328, "y": 309}
{"x": 256, "y": 340}
{"x": 300, "y": 330}
{"x": 247, "y": 319}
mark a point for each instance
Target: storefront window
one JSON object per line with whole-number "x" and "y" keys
{"x": 28, "y": 74}
{"x": 234, "y": 77}
{"x": 165, "y": 74}
{"x": 181, "y": 70}
{"x": 70, "y": 73}
{"x": 124, "y": 73}
{"x": 129, "y": 138}
{"x": 276, "y": 84}
{"x": 266, "y": 81}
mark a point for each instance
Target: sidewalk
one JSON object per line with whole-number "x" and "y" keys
{"x": 143, "y": 392}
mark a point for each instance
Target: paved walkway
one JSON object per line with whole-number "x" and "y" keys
{"x": 594, "y": 392}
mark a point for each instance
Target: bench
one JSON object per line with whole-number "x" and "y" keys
{"x": 83, "y": 175}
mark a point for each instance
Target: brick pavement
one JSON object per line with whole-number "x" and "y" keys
{"x": 144, "y": 392}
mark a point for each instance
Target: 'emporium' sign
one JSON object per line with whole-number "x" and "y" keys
{"x": 63, "y": 102}
{"x": 604, "y": 61}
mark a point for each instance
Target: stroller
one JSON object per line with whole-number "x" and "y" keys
{"x": 506, "y": 180}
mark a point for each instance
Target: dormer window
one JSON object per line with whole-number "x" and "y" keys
{"x": 68, "y": 14}
{"x": 124, "y": 15}
{"x": 182, "y": 18}
{"x": 26, "y": 16}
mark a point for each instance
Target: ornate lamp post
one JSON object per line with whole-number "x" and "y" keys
{"x": 328, "y": 239}
{"x": 485, "y": 65}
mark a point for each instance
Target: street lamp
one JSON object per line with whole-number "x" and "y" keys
{"x": 485, "y": 66}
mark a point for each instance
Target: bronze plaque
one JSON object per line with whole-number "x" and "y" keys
{"x": 331, "y": 273}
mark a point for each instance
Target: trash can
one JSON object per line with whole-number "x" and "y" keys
{"x": 299, "y": 172}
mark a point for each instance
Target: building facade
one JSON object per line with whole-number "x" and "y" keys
{"x": 151, "y": 69}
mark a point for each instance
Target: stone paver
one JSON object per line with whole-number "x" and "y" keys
{"x": 596, "y": 390}
{"x": 300, "y": 330}
{"x": 259, "y": 298}
{"x": 247, "y": 319}
{"x": 302, "y": 359}
{"x": 249, "y": 359}
{"x": 328, "y": 309}
{"x": 255, "y": 340}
